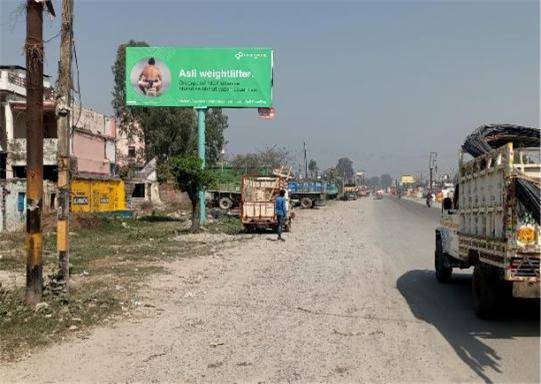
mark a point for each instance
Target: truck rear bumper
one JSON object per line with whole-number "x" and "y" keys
{"x": 526, "y": 289}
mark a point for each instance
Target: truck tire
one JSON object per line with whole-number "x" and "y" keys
{"x": 485, "y": 289}
{"x": 306, "y": 202}
{"x": 443, "y": 273}
{"x": 225, "y": 203}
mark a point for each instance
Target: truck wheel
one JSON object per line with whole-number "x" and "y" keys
{"x": 225, "y": 203}
{"x": 306, "y": 202}
{"x": 485, "y": 290}
{"x": 443, "y": 273}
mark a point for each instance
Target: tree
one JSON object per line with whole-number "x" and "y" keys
{"x": 385, "y": 181}
{"x": 312, "y": 167}
{"x": 345, "y": 169}
{"x": 190, "y": 177}
{"x": 374, "y": 182}
{"x": 166, "y": 131}
{"x": 269, "y": 157}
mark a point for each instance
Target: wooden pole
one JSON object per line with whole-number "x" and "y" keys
{"x": 34, "y": 150}
{"x": 63, "y": 105}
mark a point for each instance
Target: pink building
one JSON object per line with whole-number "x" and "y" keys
{"x": 93, "y": 142}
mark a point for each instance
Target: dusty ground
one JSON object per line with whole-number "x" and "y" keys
{"x": 349, "y": 297}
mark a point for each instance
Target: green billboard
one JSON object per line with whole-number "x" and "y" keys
{"x": 199, "y": 77}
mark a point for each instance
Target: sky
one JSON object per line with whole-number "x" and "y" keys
{"x": 384, "y": 83}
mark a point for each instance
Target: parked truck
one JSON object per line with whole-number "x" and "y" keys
{"x": 492, "y": 222}
{"x": 258, "y": 195}
{"x": 307, "y": 194}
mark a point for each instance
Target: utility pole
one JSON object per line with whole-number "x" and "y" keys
{"x": 305, "y": 162}
{"x": 34, "y": 150}
{"x": 432, "y": 166}
{"x": 63, "y": 105}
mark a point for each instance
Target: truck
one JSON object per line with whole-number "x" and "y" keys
{"x": 350, "y": 192}
{"x": 226, "y": 196}
{"x": 258, "y": 195}
{"x": 307, "y": 194}
{"x": 491, "y": 223}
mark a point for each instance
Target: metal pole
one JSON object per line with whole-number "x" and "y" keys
{"x": 305, "y": 162}
{"x": 34, "y": 150}
{"x": 201, "y": 113}
{"x": 63, "y": 105}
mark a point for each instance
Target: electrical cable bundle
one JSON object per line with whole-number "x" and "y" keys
{"x": 489, "y": 137}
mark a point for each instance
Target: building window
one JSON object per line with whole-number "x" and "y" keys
{"x": 131, "y": 151}
{"x": 139, "y": 190}
{"x": 20, "y": 201}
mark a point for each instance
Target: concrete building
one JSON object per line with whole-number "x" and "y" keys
{"x": 93, "y": 145}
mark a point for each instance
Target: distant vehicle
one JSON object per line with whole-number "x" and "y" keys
{"x": 378, "y": 195}
{"x": 350, "y": 192}
{"x": 492, "y": 224}
{"x": 258, "y": 194}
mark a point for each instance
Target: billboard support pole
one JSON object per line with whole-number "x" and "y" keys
{"x": 201, "y": 114}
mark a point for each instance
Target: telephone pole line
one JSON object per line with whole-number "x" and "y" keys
{"x": 432, "y": 166}
{"x": 34, "y": 150}
{"x": 305, "y": 162}
{"x": 63, "y": 106}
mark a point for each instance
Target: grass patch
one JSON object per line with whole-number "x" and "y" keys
{"x": 230, "y": 225}
{"x": 105, "y": 253}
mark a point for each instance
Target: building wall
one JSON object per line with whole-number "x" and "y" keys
{"x": 90, "y": 151}
{"x": 123, "y": 144}
{"x": 13, "y": 203}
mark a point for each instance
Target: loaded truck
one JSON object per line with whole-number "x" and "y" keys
{"x": 258, "y": 194}
{"x": 307, "y": 194}
{"x": 350, "y": 192}
{"x": 491, "y": 222}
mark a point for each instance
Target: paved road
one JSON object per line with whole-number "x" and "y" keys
{"x": 349, "y": 297}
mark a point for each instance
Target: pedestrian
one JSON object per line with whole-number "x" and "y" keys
{"x": 281, "y": 212}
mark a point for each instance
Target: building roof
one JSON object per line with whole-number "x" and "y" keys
{"x": 18, "y": 67}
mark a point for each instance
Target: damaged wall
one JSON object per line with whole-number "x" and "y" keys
{"x": 13, "y": 203}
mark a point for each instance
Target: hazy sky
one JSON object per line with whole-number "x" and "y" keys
{"x": 383, "y": 83}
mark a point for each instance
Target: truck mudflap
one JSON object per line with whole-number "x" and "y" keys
{"x": 526, "y": 289}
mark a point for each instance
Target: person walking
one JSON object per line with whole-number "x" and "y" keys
{"x": 281, "y": 212}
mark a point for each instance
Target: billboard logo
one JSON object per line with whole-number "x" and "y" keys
{"x": 239, "y": 55}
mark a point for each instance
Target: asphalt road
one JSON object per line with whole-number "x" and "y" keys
{"x": 506, "y": 350}
{"x": 349, "y": 297}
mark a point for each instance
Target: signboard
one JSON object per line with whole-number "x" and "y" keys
{"x": 199, "y": 77}
{"x": 407, "y": 179}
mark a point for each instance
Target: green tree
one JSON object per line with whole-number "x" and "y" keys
{"x": 374, "y": 182}
{"x": 386, "y": 180}
{"x": 345, "y": 169}
{"x": 166, "y": 131}
{"x": 270, "y": 158}
{"x": 190, "y": 177}
{"x": 312, "y": 167}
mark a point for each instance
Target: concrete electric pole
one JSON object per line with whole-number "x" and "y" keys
{"x": 34, "y": 150}
{"x": 63, "y": 115}
{"x": 432, "y": 166}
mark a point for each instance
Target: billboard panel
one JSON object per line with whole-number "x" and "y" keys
{"x": 199, "y": 77}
